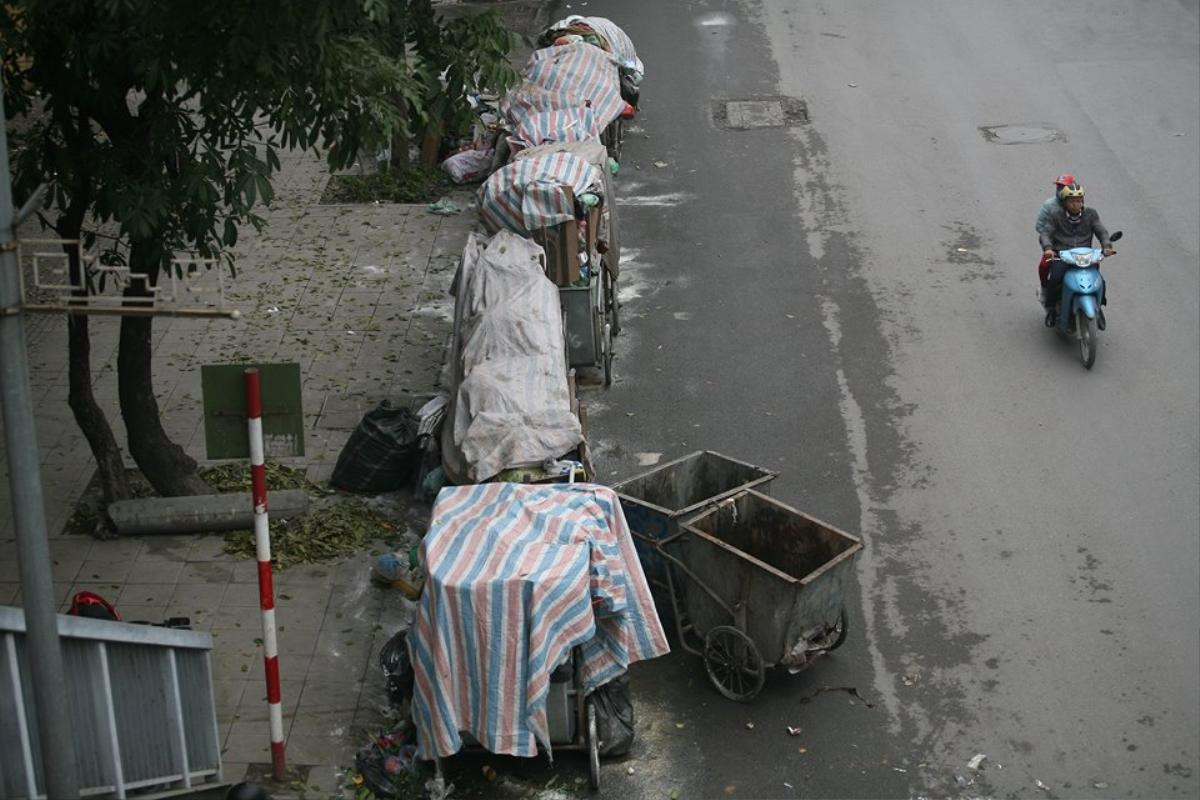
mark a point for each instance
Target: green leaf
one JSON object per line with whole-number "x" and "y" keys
{"x": 264, "y": 188}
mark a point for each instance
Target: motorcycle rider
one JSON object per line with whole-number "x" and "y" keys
{"x": 1043, "y": 219}
{"x": 1070, "y": 225}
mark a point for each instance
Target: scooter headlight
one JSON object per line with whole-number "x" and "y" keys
{"x": 1083, "y": 259}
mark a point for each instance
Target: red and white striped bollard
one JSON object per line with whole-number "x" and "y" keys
{"x": 266, "y": 589}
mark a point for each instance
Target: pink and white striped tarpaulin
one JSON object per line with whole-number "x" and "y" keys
{"x": 527, "y": 194}
{"x": 518, "y": 575}
{"x": 559, "y": 126}
{"x": 568, "y": 76}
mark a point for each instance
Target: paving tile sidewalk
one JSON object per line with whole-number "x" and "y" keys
{"x": 357, "y": 295}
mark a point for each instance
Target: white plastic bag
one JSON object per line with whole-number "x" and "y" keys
{"x": 469, "y": 166}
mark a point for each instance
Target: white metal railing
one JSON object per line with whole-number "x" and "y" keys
{"x": 141, "y": 707}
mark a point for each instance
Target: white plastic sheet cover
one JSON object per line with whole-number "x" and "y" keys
{"x": 507, "y": 371}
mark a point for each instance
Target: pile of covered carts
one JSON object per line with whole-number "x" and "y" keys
{"x": 549, "y": 203}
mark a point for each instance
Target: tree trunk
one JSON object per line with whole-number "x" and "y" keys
{"x": 114, "y": 483}
{"x": 170, "y": 470}
{"x": 431, "y": 143}
{"x": 400, "y": 162}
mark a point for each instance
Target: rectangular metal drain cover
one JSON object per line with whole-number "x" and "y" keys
{"x": 759, "y": 112}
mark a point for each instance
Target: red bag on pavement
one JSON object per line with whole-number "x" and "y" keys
{"x": 90, "y": 604}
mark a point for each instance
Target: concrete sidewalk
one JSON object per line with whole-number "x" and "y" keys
{"x": 357, "y": 295}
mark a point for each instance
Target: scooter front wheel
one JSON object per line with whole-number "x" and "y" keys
{"x": 1085, "y": 328}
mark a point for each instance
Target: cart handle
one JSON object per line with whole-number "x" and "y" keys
{"x": 728, "y": 610}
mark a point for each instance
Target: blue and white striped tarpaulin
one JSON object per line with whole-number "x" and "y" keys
{"x": 518, "y": 575}
{"x": 527, "y": 194}
{"x": 575, "y": 75}
{"x": 560, "y": 126}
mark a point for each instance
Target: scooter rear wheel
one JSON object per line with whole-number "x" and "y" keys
{"x": 1085, "y": 328}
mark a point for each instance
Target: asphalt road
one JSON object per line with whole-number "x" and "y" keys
{"x": 850, "y": 301}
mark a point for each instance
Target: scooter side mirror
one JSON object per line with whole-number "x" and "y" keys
{"x": 1116, "y": 236}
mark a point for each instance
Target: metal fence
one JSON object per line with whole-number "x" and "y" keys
{"x": 140, "y": 699}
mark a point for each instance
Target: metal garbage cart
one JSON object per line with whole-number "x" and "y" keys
{"x": 655, "y": 501}
{"x": 765, "y": 587}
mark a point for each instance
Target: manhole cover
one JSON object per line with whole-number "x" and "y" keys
{"x": 1027, "y": 133}
{"x": 760, "y": 112}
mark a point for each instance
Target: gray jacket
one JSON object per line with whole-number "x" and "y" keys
{"x": 1061, "y": 233}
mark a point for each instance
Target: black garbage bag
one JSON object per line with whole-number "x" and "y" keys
{"x": 397, "y": 670}
{"x": 614, "y": 716}
{"x": 382, "y": 454}
{"x": 631, "y": 92}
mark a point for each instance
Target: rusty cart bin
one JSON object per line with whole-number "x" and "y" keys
{"x": 765, "y": 586}
{"x": 655, "y": 501}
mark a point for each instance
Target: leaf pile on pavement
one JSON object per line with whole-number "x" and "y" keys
{"x": 416, "y": 185}
{"x": 235, "y": 477}
{"x": 333, "y": 527}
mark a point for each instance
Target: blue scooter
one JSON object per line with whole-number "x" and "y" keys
{"x": 1079, "y": 312}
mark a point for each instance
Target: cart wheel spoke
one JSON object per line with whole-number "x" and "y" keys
{"x": 733, "y": 663}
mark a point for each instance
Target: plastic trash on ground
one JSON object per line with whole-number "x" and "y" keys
{"x": 397, "y": 670}
{"x": 469, "y": 166}
{"x": 445, "y": 207}
{"x": 614, "y": 716}
{"x": 383, "y": 454}
{"x": 388, "y": 766}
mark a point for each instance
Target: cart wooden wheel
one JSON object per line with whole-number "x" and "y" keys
{"x": 593, "y": 746}
{"x": 733, "y": 664}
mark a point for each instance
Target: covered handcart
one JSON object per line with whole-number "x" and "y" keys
{"x": 560, "y": 196}
{"x": 510, "y": 404}
{"x": 571, "y": 77}
{"x": 522, "y": 582}
{"x": 608, "y": 36}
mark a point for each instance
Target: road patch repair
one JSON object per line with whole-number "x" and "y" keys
{"x": 759, "y": 112}
{"x": 1022, "y": 133}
